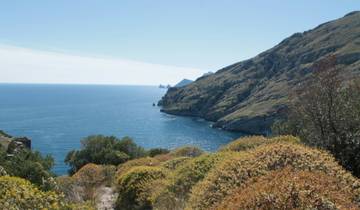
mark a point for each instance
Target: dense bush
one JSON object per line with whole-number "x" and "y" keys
{"x": 18, "y": 193}
{"x": 30, "y": 165}
{"x": 176, "y": 191}
{"x": 188, "y": 151}
{"x": 290, "y": 189}
{"x": 134, "y": 187}
{"x": 250, "y": 142}
{"x": 145, "y": 161}
{"x": 240, "y": 168}
{"x": 157, "y": 151}
{"x": 103, "y": 150}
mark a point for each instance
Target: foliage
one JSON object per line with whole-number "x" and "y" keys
{"x": 325, "y": 113}
{"x": 174, "y": 163}
{"x": 30, "y": 165}
{"x": 176, "y": 192}
{"x": 157, "y": 151}
{"x": 188, "y": 151}
{"x": 103, "y": 150}
{"x": 250, "y": 142}
{"x": 243, "y": 166}
{"x": 17, "y": 193}
{"x": 133, "y": 187}
{"x": 3, "y": 171}
{"x": 89, "y": 176}
{"x": 145, "y": 161}
{"x": 290, "y": 189}
{"x": 2, "y": 133}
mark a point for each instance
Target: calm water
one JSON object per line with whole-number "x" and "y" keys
{"x": 56, "y": 117}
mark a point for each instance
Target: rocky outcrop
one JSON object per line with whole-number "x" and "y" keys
{"x": 248, "y": 96}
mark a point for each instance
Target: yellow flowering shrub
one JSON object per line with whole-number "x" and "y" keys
{"x": 20, "y": 194}
{"x": 291, "y": 189}
{"x": 187, "y": 151}
{"x": 146, "y": 161}
{"x": 250, "y": 142}
{"x": 176, "y": 191}
{"x": 134, "y": 189}
{"x": 234, "y": 172}
{"x": 175, "y": 163}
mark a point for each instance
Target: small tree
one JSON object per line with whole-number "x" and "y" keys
{"x": 325, "y": 112}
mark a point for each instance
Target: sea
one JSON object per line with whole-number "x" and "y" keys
{"x": 57, "y": 117}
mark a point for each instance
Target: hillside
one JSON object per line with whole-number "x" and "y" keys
{"x": 183, "y": 83}
{"x": 248, "y": 96}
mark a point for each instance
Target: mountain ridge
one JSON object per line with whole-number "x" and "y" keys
{"x": 248, "y": 96}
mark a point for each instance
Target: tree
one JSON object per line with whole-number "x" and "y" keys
{"x": 325, "y": 112}
{"x": 105, "y": 150}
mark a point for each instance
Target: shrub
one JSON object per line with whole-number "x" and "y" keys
{"x": 145, "y": 161}
{"x": 175, "y": 163}
{"x": 188, "y": 151}
{"x": 90, "y": 176}
{"x": 176, "y": 191}
{"x": 133, "y": 187}
{"x": 290, "y": 189}
{"x": 240, "y": 168}
{"x": 250, "y": 142}
{"x": 30, "y": 165}
{"x": 157, "y": 151}
{"x": 103, "y": 150}
{"x": 18, "y": 193}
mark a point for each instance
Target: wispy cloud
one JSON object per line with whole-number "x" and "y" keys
{"x": 22, "y": 65}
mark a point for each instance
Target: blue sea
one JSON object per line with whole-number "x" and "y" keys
{"x": 57, "y": 117}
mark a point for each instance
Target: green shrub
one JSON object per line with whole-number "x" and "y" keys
{"x": 133, "y": 187}
{"x": 18, "y": 193}
{"x": 291, "y": 189}
{"x": 103, "y": 150}
{"x": 157, "y": 151}
{"x": 176, "y": 191}
{"x": 235, "y": 171}
{"x": 30, "y": 165}
{"x": 187, "y": 151}
{"x": 250, "y": 142}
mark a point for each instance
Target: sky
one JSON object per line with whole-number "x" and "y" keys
{"x": 145, "y": 42}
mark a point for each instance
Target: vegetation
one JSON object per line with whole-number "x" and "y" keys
{"x": 133, "y": 187}
{"x": 291, "y": 189}
{"x": 107, "y": 150}
{"x": 30, "y": 165}
{"x": 325, "y": 113}
{"x": 157, "y": 151}
{"x": 240, "y": 168}
{"x": 17, "y": 193}
{"x": 187, "y": 151}
{"x": 176, "y": 190}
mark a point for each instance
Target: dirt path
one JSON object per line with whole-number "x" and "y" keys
{"x": 106, "y": 198}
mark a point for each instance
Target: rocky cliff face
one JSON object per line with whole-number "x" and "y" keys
{"x": 248, "y": 96}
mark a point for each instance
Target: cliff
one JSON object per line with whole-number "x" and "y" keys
{"x": 248, "y": 96}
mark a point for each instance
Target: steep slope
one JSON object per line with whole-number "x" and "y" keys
{"x": 248, "y": 96}
{"x": 183, "y": 83}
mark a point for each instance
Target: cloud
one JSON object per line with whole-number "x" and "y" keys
{"x": 22, "y": 65}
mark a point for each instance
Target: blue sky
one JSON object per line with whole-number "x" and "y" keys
{"x": 198, "y": 36}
